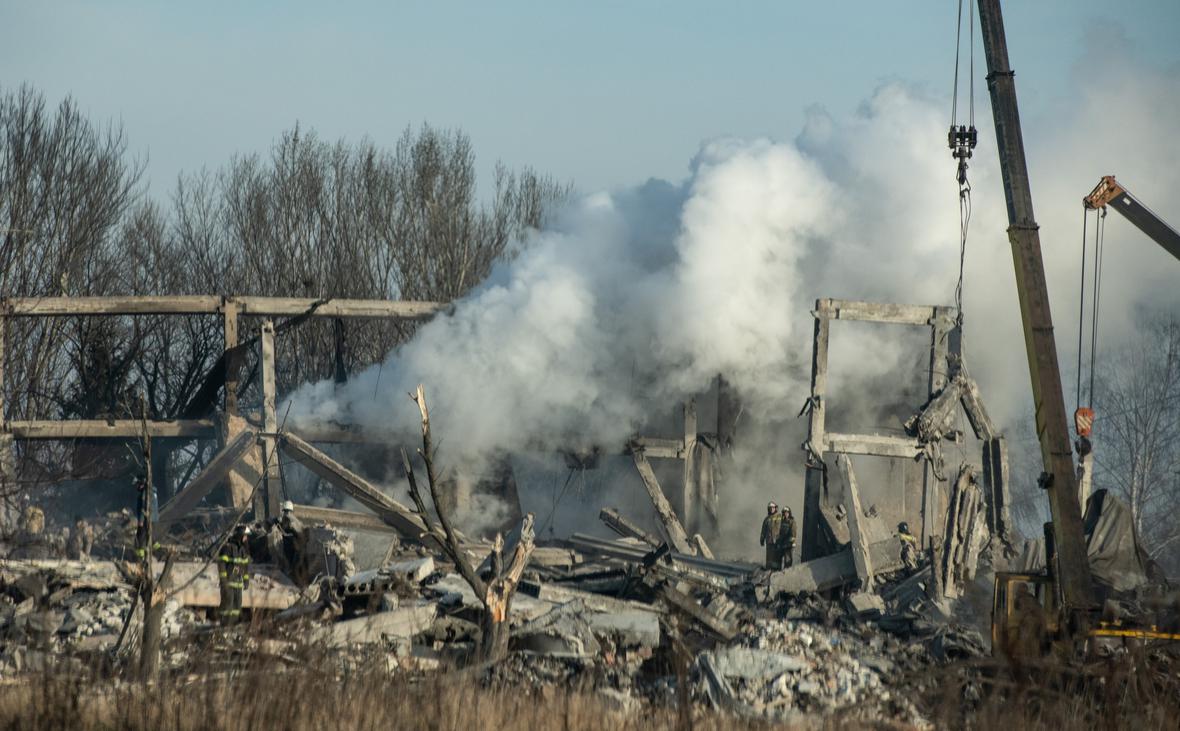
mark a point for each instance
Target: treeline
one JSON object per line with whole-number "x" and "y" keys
{"x": 310, "y": 218}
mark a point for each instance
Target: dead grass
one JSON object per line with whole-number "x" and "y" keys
{"x": 311, "y": 692}
{"x": 1131, "y": 691}
{"x": 306, "y": 699}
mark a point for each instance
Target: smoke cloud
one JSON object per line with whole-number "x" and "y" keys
{"x": 635, "y": 299}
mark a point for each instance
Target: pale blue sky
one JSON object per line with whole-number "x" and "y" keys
{"x": 603, "y": 93}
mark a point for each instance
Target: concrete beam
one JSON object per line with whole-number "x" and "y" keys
{"x": 836, "y": 309}
{"x": 211, "y": 304}
{"x": 404, "y": 520}
{"x": 625, "y": 528}
{"x": 214, "y": 472}
{"x": 672, "y": 528}
{"x": 46, "y": 429}
{"x": 857, "y": 540}
{"x": 879, "y": 445}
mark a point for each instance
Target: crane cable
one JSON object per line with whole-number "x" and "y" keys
{"x": 962, "y": 139}
{"x": 1095, "y": 301}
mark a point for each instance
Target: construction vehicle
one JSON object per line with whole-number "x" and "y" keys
{"x": 1035, "y": 611}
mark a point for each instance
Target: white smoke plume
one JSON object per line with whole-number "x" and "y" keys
{"x": 637, "y": 298}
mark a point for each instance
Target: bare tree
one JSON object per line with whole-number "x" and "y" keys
{"x": 495, "y": 589}
{"x": 1137, "y": 432}
{"x": 65, "y": 186}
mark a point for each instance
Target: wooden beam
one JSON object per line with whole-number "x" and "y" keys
{"x": 211, "y": 304}
{"x": 209, "y": 478}
{"x": 879, "y": 445}
{"x": 392, "y": 512}
{"x": 117, "y": 429}
{"x": 672, "y": 529}
{"x": 861, "y": 557}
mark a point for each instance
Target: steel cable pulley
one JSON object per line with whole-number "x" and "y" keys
{"x": 962, "y": 138}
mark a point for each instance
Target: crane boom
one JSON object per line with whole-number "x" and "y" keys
{"x": 1109, "y": 191}
{"x": 1059, "y": 480}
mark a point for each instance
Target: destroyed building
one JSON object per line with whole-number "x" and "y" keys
{"x": 829, "y": 632}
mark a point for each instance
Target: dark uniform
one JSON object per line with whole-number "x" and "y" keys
{"x": 772, "y": 531}
{"x": 787, "y": 544}
{"x": 141, "y": 516}
{"x": 81, "y": 541}
{"x": 234, "y": 575}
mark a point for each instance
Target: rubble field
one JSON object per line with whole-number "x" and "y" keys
{"x": 616, "y": 633}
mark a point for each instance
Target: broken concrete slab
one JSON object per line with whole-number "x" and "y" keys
{"x": 627, "y": 629}
{"x": 197, "y": 586}
{"x": 401, "y": 623}
{"x": 838, "y": 569}
{"x": 684, "y": 603}
{"x": 563, "y": 632}
{"x": 557, "y": 594}
{"x": 405, "y": 573}
{"x": 453, "y": 591}
{"x": 750, "y": 663}
{"x": 865, "y": 605}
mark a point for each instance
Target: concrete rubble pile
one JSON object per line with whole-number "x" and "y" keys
{"x": 618, "y": 616}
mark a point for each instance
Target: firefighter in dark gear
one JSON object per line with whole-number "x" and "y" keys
{"x": 787, "y": 544}
{"x": 81, "y": 540}
{"x": 293, "y": 539}
{"x": 233, "y": 572}
{"x": 772, "y": 528}
{"x": 143, "y": 494}
{"x": 909, "y": 546}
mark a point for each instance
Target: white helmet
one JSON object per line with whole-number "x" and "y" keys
{"x": 288, "y": 506}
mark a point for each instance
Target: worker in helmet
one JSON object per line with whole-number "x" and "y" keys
{"x": 233, "y": 572}
{"x": 909, "y": 546}
{"x": 772, "y": 528}
{"x": 787, "y": 539}
{"x": 292, "y": 537}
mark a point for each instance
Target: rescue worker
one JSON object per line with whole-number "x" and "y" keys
{"x": 81, "y": 540}
{"x": 233, "y": 573}
{"x": 292, "y": 532}
{"x": 909, "y": 546}
{"x": 772, "y": 527}
{"x": 31, "y": 540}
{"x": 787, "y": 551}
{"x": 141, "y": 515}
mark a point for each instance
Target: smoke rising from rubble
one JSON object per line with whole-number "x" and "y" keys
{"x": 634, "y": 299}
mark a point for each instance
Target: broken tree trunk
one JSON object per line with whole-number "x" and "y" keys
{"x": 496, "y": 593}
{"x": 497, "y": 598}
{"x": 672, "y": 528}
